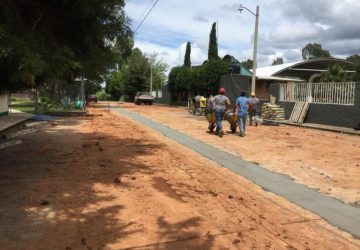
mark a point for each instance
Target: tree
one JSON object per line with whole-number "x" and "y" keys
{"x": 172, "y": 80}
{"x": 61, "y": 39}
{"x": 313, "y": 51}
{"x": 114, "y": 84}
{"x": 136, "y": 74}
{"x": 277, "y": 61}
{"x": 247, "y": 64}
{"x": 213, "y": 46}
{"x": 335, "y": 73}
{"x": 356, "y": 60}
{"x": 213, "y": 70}
{"x": 187, "y": 60}
{"x": 159, "y": 68}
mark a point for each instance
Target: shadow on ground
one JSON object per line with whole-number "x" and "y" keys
{"x": 51, "y": 190}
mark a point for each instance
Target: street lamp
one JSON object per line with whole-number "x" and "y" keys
{"x": 253, "y": 79}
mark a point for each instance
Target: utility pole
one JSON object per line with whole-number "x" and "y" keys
{"x": 82, "y": 92}
{"x": 253, "y": 79}
{"x": 151, "y": 79}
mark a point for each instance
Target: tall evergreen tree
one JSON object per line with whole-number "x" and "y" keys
{"x": 187, "y": 60}
{"x": 213, "y": 46}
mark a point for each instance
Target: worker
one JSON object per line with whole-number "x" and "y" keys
{"x": 242, "y": 105}
{"x": 254, "y": 107}
{"x": 196, "y": 101}
{"x": 221, "y": 104}
{"x": 210, "y": 116}
{"x": 210, "y": 104}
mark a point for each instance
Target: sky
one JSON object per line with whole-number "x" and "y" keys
{"x": 285, "y": 27}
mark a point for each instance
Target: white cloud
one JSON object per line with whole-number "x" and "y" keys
{"x": 285, "y": 27}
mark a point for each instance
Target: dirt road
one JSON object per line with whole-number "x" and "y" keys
{"x": 105, "y": 182}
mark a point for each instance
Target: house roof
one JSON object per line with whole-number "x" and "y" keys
{"x": 277, "y": 78}
{"x": 235, "y": 66}
{"x": 304, "y": 69}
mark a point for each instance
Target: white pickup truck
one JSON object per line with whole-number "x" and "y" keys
{"x": 143, "y": 97}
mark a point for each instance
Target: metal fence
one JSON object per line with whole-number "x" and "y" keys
{"x": 330, "y": 93}
{"x": 54, "y": 96}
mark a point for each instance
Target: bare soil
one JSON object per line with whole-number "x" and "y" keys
{"x": 323, "y": 160}
{"x": 103, "y": 181}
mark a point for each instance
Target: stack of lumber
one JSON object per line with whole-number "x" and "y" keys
{"x": 299, "y": 112}
{"x": 272, "y": 112}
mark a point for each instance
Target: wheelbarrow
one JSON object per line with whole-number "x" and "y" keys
{"x": 200, "y": 108}
{"x": 210, "y": 117}
{"x": 232, "y": 119}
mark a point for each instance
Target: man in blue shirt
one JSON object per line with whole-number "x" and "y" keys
{"x": 242, "y": 106}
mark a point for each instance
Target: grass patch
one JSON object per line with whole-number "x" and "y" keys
{"x": 27, "y": 107}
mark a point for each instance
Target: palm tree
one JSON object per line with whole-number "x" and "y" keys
{"x": 335, "y": 73}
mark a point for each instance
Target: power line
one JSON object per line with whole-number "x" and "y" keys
{"x": 143, "y": 13}
{"x": 145, "y": 16}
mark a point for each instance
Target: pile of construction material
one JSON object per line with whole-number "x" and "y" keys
{"x": 272, "y": 112}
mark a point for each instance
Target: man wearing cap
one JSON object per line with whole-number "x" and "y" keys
{"x": 221, "y": 104}
{"x": 253, "y": 109}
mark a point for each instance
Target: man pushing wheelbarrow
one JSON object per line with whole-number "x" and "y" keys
{"x": 220, "y": 104}
{"x": 210, "y": 114}
{"x": 232, "y": 119}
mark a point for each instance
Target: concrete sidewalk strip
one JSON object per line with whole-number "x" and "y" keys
{"x": 339, "y": 214}
{"x": 13, "y": 119}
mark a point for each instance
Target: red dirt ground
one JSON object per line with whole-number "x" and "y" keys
{"x": 103, "y": 181}
{"x": 328, "y": 161}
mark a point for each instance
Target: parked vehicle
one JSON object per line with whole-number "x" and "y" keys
{"x": 92, "y": 98}
{"x": 143, "y": 97}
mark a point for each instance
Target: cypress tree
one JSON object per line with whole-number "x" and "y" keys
{"x": 187, "y": 60}
{"x": 213, "y": 47}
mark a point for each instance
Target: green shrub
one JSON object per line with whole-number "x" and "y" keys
{"x": 103, "y": 96}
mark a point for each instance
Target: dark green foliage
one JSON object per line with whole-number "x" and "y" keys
{"x": 277, "y": 61}
{"x": 159, "y": 68}
{"x": 172, "y": 81}
{"x": 187, "y": 60}
{"x": 213, "y": 46}
{"x": 356, "y": 60}
{"x": 134, "y": 76}
{"x": 313, "y": 51}
{"x": 114, "y": 85}
{"x": 102, "y": 96}
{"x": 247, "y": 64}
{"x": 213, "y": 70}
{"x": 335, "y": 73}
{"x": 61, "y": 39}
{"x": 202, "y": 79}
